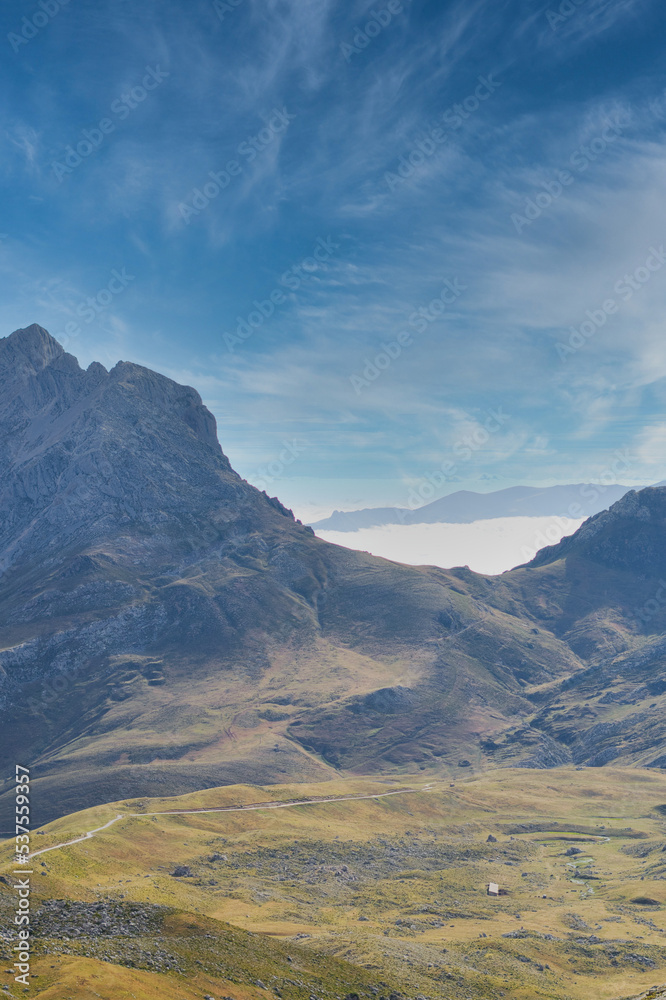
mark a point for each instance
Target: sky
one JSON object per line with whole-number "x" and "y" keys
{"x": 413, "y": 245}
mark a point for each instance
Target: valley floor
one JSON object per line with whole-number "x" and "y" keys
{"x": 373, "y": 897}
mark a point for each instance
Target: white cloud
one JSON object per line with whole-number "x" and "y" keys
{"x": 652, "y": 446}
{"x": 490, "y": 547}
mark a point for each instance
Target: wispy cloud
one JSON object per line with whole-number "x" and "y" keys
{"x": 355, "y": 121}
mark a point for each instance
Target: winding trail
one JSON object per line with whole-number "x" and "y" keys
{"x": 291, "y": 804}
{"x": 77, "y": 840}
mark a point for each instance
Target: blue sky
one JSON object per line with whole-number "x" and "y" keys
{"x": 390, "y": 243}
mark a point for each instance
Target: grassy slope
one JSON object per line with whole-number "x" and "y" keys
{"x": 195, "y": 696}
{"x": 414, "y": 865}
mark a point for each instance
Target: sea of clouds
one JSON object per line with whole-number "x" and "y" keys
{"x": 491, "y": 546}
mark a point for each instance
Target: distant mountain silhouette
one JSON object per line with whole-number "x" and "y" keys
{"x": 463, "y": 507}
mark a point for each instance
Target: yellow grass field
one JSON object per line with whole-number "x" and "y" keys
{"x": 366, "y": 896}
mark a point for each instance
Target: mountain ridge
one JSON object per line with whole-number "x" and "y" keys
{"x": 164, "y": 626}
{"x": 465, "y": 506}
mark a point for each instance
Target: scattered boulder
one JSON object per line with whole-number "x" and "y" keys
{"x": 491, "y": 839}
{"x": 570, "y": 851}
{"x": 182, "y": 871}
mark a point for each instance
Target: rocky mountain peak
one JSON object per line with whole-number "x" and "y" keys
{"x": 630, "y": 535}
{"x": 90, "y": 454}
{"x": 28, "y": 351}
